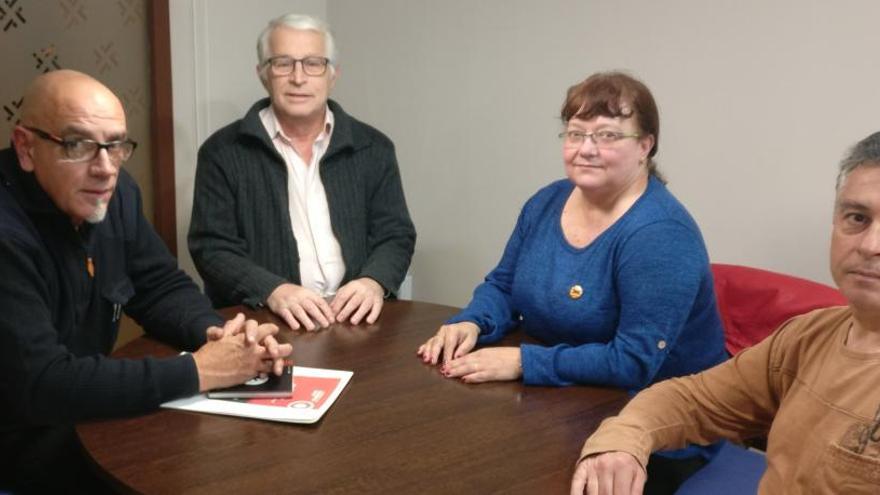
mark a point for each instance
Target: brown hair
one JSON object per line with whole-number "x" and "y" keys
{"x": 615, "y": 94}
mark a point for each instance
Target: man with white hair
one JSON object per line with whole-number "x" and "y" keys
{"x": 811, "y": 387}
{"x": 75, "y": 252}
{"x": 298, "y": 206}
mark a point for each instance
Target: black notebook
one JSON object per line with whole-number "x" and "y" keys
{"x": 262, "y": 386}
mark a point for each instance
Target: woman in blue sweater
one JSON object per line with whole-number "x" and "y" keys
{"x": 607, "y": 270}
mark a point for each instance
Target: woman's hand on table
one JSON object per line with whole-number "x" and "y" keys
{"x": 453, "y": 341}
{"x": 491, "y": 364}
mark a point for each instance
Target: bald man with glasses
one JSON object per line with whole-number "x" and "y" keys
{"x": 75, "y": 253}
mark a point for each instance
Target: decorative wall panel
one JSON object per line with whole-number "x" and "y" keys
{"x": 107, "y": 39}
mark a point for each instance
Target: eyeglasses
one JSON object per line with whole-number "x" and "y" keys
{"x": 83, "y": 150}
{"x": 574, "y": 139}
{"x": 283, "y": 65}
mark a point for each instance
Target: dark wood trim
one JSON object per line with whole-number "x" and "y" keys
{"x": 162, "y": 124}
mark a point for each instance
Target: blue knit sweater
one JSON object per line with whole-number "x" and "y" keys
{"x": 648, "y": 307}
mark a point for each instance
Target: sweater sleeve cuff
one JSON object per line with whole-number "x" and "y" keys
{"x": 592, "y": 448}
{"x": 263, "y": 286}
{"x": 489, "y": 333}
{"x": 614, "y": 435}
{"x": 198, "y": 335}
{"x": 384, "y": 280}
{"x": 539, "y": 366}
{"x": 177, "y": 377}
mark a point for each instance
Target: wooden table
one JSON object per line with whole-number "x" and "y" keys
{"x": 399, "y": 426}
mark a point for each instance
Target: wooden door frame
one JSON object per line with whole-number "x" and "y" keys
{"x": 162, "y": 124}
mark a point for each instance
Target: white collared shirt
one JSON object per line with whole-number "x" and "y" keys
{"x": 321, "y": 266}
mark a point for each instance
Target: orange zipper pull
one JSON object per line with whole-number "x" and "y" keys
{"x": 90, "y": 267}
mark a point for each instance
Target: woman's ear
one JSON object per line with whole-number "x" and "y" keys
{"x": 647, "y": 144}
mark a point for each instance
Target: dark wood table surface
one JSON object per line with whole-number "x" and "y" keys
{"x": 398, "y": 427}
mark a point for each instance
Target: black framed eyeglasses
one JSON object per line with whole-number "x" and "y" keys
{"x": 283, "y": 65}
{"x": 82, "y": 150}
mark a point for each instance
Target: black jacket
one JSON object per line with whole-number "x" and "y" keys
{"x": 240, "y": 237}
{"x": 58, "y": 323}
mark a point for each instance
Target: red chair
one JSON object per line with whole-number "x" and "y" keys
{"x": 753, "y": 303}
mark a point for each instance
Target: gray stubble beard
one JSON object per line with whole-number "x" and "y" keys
{"x": 99, "y": 213}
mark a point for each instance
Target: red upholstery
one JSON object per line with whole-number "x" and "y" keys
{"x": 753, "y": 302}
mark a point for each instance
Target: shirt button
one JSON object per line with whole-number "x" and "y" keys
{"x": 661, "y": 345}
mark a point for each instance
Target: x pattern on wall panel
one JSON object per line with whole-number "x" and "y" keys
{"x": 11, "y": 109}
{"x": 73, "y": 12}
{"x": 131, "y": 12}
{"x": 46, "y": 58}
{"x": 11, "y": 14}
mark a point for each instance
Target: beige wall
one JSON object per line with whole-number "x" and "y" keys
{"x": 758, "y": 101}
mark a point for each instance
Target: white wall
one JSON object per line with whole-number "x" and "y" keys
{"x": 213, "y": 61}
{"x": 758, "y": 101}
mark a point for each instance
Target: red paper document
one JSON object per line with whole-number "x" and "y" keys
{"x": 314, "y": 391}
{"x": 309, "y": 392}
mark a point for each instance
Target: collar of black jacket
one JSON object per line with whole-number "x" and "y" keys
{"x": 28, "y": 193}
{"x": 342, "y": 138}
{"x": 23, "y": 185}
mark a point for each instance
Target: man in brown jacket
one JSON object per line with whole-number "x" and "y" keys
{"x": 811, "y": 387}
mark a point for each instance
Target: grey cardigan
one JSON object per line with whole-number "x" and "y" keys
{"x": 240, "y": 235}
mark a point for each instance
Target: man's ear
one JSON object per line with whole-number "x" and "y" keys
{"x": 23, "y": 148}
{"x": 261, "y": 75}
{"x": 333, "y": 76}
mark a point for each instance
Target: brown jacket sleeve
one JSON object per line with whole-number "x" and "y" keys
{"x": 735, "y": 400}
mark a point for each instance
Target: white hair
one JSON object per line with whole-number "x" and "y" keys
{"x": 302, "y": 23}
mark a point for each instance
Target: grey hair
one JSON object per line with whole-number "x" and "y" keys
{"x": 865, "y": 152}
{"x": 302, "y": 23}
